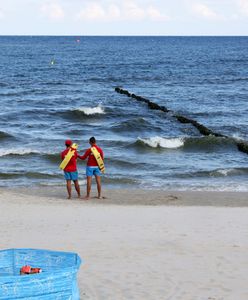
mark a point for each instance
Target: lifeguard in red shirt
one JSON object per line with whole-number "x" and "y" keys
{"x": 70, "y": 171}
{"x": 92, "y": 168}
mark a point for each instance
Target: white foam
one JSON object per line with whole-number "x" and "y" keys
{"x": 237, "y": 136}
{"x": 231, "y": 171}
{"x": 60, "y": 183}
{"x": 169, "y": 143}
{"x": 225, "y": 172}
{"x": 17, "y": 151}
{"x": 92, "y": 110}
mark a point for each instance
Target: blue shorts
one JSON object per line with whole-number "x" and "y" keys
{"x": 71, "y": 175}
{"x": 90, "y": 171}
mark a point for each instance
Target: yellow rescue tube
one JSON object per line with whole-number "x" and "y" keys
{"x": 98, "y": 159}
{"x": 68, "y": 156}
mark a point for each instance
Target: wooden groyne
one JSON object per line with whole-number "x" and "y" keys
{"x": 241, "y": 145}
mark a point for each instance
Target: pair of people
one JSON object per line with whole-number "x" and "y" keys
{"x": 71, "y": 173}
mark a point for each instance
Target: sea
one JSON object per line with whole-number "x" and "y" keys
{"x": 54, "y": 88}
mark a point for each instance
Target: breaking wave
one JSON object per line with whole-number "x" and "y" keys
{"x": 160, "y": 142}
{"x": 91, "y": 110}
{"x": 230, "y": 172}
{"x": 16, "y": 151}
{"x": 187, "y": 143}
{"x": 25, "y": 152}
{"x": 81, "y": 113}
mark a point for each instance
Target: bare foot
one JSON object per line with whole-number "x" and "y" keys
{"x": 69, "y": 197}
{"x": 86, "y": 198}
{"x": 100, "y": 197}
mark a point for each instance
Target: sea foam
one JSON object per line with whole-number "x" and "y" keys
{"x": 157, "y": 141}
{"x": 16, "y": 151}
{"x": 92, "y": 110}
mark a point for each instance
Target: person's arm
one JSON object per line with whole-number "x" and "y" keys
{"x": 86, "y": 154}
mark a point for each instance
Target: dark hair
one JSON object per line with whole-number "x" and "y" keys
{"x": 92, "y": 140}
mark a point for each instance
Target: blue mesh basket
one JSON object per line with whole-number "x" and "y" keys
{"x": 58, "y": 280}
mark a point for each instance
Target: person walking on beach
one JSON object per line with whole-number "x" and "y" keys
{"x": 92, "y": 168}
{"x": 70, "y": 171}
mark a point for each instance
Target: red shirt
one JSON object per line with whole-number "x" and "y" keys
{"x": 91, "y": 158}
{"x": 72, "y": 164}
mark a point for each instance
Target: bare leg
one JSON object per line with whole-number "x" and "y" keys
{"x": 89, "y": 180}
{"x": 68, "y": 186}
{"x": 77, "y": 187}
{"x": 99, "y": 188}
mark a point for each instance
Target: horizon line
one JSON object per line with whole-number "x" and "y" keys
{"x": 122, "y": 35}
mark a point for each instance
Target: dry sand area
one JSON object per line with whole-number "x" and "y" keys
{"x": 136, "y": 244}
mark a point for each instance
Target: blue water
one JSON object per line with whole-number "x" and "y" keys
{"x": 55, "y": 88}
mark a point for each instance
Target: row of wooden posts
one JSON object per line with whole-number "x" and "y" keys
{"x": 241, "y": 145}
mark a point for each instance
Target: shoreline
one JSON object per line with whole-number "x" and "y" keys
{"x": 133, "y": 196}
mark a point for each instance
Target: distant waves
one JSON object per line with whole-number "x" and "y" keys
{"x": 184, "y": 143}
{"x": 202, "y": 79}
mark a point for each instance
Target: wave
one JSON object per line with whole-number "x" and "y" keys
{"x": 133, "y": 124}
{"x": 160, "y": 142}
{"x": 5, "y": 135}
{"x": 91, "y": 110}
{"x": 237, "y": 136}
{"x": 31, "y": 175}
{"x": 119, "y": 163}
{"x": 54, "y": 83}
{"x": 209, "y": 143}
{"x": 16, "y": 151}
{"x": 26, "y": 152}
{"x": 81, "y": 113}
{"x": 238, "y": 79}
{"x": 118, "y": 180}
{"x": 214, "y": 81}
{"x": 52, "y": 157}
{"x": 229, "y": 172}
{"x": 17, "y": 93}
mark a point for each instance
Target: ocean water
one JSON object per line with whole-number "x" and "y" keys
{"x": 55, "y": 88}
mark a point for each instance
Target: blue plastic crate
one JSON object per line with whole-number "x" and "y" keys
{"x": 58, "y": 280}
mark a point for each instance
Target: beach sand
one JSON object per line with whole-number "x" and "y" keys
{"x": 138, "y": 244}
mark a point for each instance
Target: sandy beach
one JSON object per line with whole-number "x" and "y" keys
{"x": 138, "y": 244}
